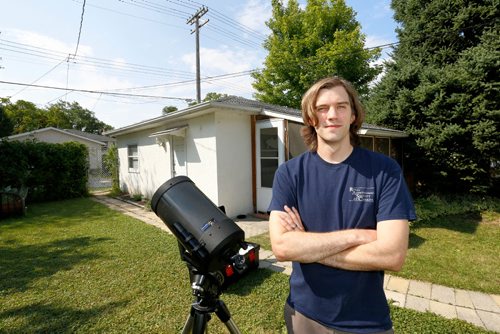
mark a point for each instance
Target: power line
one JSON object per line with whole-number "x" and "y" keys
{"x": 96, "y": 91}
{"x": 79, "y": 30}
{"x": 53, "y": 68}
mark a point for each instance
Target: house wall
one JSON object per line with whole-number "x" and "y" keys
{"x": 234, "y": 162}
{"x": 155, "y": 161}
{"x": 154, "y": 164}
{"x": 218, "y": 160}
{"x": 201, "y": 155}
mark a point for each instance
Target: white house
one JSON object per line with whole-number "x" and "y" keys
{"x": 97, "y": 146}
{"x": 230, "y": 148}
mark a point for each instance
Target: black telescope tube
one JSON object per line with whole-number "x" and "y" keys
{"x": 187, "y": 211}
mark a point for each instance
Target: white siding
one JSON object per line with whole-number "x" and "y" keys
{"x": 234, "y": 162}
{"x": 218, "y": 160}
{"x": 154, "y": 164}
{"x": 201, "y": 155}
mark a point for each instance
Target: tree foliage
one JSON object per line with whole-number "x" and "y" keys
{"x": 308, "y": 44}
{"x": 211, "y": 96}
{"x": 6, "y": 126}
{"x": 26, "y": 116}
{"x": 168, "y": 109}
{"x": 442, "y": 88}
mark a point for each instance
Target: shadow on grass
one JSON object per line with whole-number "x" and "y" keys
{"x": 23, "y": 264}
{"x": 467, "y": 223}
{"x": 415, "y": 240}
{"x": 247, "y": 284}
{"x": 46, "y": 318}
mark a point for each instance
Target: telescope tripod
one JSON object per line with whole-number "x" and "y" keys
{"x": 207, "y": 292}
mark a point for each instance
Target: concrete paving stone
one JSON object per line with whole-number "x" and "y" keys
{"x": 386, "y": 280}
{"x": 469, "y": 315}
{"x": 445, "y": 310}
{"x": 462, "y": 299}
{"x": 420, "y": 289}
{"x": 443, "y": 294}
{"x": 496, "y": 298}
{"x": 484, "y": 302}
{"x": 265, "y": 254}
{"x": 397, "y": 298}
{"x": 490, "y": 320}
{"x": 398, "y": 284}
{"x": 417, "y": 303}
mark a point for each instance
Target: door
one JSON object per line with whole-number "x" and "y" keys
{"x": 178, "y": 157}
{"x": 270, "y": 151}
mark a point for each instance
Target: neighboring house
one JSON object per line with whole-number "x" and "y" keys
{"x": 97, "y": 146}
{"x": 230, "y": 148}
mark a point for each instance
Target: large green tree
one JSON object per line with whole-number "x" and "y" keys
{"x": 306, "y": 45}
{"x": 67, "y": 115}
{"x": 26, "y": 116}
{"x": 442, "y": 88}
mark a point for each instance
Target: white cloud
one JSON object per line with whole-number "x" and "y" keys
{"x": 42, "y": 41}
{"x": 255, "y": 14}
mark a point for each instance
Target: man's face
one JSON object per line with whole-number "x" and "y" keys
{"x": 334, "y": 113}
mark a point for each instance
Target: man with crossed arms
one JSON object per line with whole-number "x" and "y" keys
{"x": 340, "y": 213}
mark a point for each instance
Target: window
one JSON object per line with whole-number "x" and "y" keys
{"x": 269, "y": 155}
{"x": 382, "y": 145}
{"x": 366, "y": 142}
{"x": 133, "y": 158}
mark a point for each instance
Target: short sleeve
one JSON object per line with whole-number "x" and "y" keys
{"x": 395, "y": 201}
{"x": 283, "y": 190}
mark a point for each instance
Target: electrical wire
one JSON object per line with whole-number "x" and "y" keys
{"x": 95, "y": 91}
{"x": 79, "y": 30}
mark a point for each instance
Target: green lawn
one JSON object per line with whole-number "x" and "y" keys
{"x": 77, "y": 267}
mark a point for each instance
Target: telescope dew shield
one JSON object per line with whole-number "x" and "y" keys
{"x": 189, "y": 212}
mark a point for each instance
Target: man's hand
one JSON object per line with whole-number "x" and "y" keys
{"x": 290, "y": 219}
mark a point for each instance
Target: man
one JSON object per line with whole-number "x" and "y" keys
{"x": 340, "y": 213}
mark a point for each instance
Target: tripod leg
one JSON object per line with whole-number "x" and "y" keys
{"x": 188, "y": 326}
{"x": 200, "y": 322}
{"x": 223, "y": 313}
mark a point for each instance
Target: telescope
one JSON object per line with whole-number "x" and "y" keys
{"x": 212, "y": 245}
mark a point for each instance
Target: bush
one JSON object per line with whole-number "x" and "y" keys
{"x": 50, "y": 171}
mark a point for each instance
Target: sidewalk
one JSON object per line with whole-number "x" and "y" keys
{"x": 478, "y": 308}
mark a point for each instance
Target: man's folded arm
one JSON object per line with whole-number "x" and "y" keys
{"x": 307, "y": 247}
{"x": 387, "y": 252}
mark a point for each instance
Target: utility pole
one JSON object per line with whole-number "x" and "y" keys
{"x": 196, "y": 20}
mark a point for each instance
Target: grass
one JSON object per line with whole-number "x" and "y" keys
{"x": 77, "y": 267}
{"x": 456, "y": 251}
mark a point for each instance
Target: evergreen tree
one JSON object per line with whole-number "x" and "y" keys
{"x": 309, "y": 44}
{"x": 442, "y": 88}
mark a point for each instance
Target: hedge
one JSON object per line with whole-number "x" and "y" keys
{"x": 49, "y": 171}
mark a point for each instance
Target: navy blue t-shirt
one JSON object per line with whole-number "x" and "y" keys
{"x": 364, "y": 189}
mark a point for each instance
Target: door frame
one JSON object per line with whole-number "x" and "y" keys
{"x": 263, "y": 194}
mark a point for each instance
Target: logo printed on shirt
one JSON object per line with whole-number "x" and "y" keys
{"x": 362, "y": 194}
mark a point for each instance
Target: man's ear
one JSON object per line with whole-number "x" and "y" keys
{"x": 353, "y": 118}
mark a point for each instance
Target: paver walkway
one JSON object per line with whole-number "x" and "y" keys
{"x": 478, "y": 308}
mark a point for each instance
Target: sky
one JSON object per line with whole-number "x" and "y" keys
{"x": 125, "y": 60}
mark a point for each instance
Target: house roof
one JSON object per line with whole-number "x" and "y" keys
{"x": 240, "y": 104}
{"x": 101, "y": 140}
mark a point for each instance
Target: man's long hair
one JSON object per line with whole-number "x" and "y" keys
{"x": 310, "y": 118}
